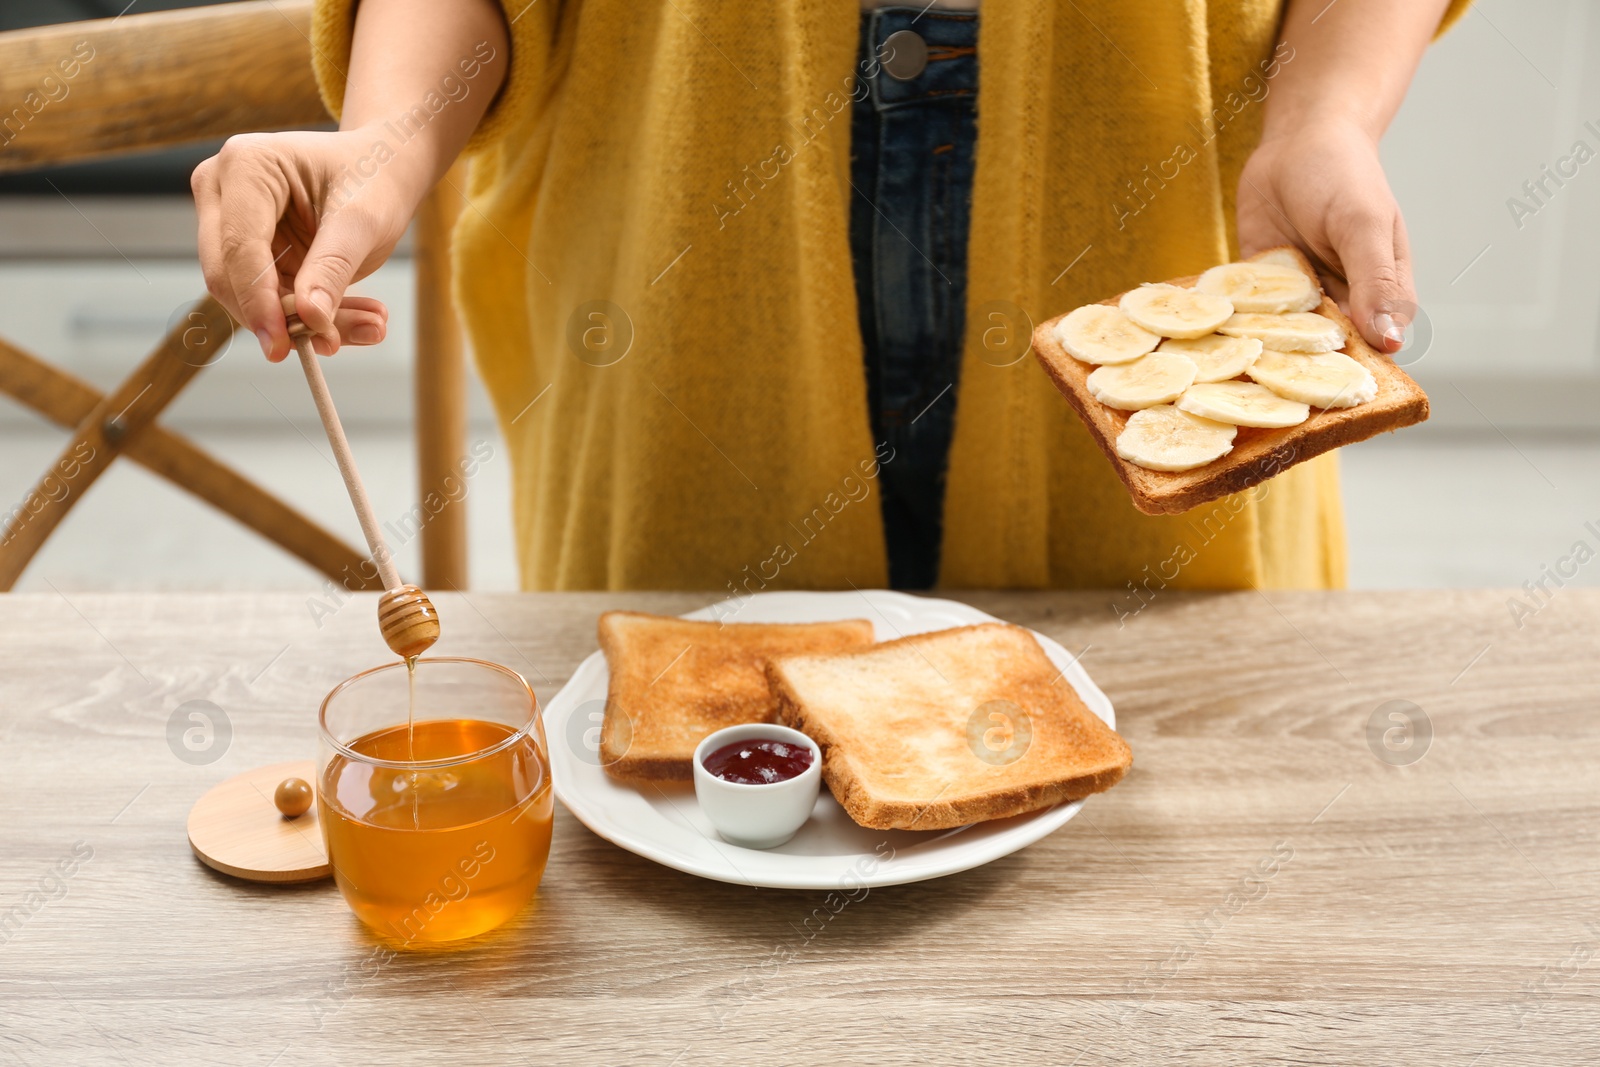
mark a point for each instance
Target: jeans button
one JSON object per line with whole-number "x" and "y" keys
{"x": 904, "y": 55}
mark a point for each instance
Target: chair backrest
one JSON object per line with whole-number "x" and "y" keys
{"x": 84, "y": 90}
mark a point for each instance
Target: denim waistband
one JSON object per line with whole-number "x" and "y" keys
{"x": 952, "y": 40}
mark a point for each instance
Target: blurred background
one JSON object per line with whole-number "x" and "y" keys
{"x": 96, "y": 261}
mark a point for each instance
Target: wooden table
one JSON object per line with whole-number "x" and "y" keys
{"x": 1262, "y": 888}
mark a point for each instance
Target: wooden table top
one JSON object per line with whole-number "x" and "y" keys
{"x": 1261, "y": 888}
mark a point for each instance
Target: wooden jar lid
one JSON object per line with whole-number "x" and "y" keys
{"x": 237, "y": 829}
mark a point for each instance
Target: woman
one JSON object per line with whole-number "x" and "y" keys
{"x": 751, "y": 293}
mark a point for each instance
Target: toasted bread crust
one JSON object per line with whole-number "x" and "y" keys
{"x": 1258, "y": 454}
{"x": 673, "y": 681}
{"x": 849, "y": 774}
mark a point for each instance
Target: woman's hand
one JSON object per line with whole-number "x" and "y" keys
{"x": 307, "y": 213}
{"x": 1321, "y": 187}
{"x": 1315, "y": 180}
{"x": 312, "y": 212}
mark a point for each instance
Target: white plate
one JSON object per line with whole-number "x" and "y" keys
{"x": 663, "y": 823}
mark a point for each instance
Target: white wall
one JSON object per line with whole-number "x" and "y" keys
{"x": 1515, "y": 309}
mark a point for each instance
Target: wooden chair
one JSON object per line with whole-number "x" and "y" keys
{"x": 166, "y": 79}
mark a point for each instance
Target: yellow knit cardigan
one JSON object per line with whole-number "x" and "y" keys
{"x": 655, "y": 275}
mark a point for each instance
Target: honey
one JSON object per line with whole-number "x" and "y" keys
{"x": 436, "y": 854}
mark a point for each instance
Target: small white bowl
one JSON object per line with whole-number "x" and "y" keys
{"x": 757, "y": 816}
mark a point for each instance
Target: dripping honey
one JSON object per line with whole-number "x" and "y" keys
{"x": 411, "y": 730}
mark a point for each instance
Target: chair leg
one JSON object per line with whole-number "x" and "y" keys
{"x": 68, "y": 401}
{"x": 440, "y": 383}
{"x": 101, "y": 437}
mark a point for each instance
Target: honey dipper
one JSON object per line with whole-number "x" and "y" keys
{"x": 406, "y": 616}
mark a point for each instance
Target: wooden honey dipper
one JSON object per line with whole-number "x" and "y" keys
{"x": 406, "y": 616}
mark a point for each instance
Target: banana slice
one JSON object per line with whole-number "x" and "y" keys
{"x": 1279, "y": 257}
{"x": 1258, "y": 287}
{"x": 1242, "y": 404}
{"x": 1216, "y": 356}
{"x": 1099, "y": 333}
{"x": 1159, "y": 378}
{"x": 1166, "y": 439}
{"x": 1322, "y": 379}
{"x": 1175, "y": 312}
{"x": 1296, "y": 331}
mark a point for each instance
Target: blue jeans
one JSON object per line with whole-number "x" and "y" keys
{"x": 913, "y": 148}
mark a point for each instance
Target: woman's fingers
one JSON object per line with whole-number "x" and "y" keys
{"x": 345, "y": 239}
{"x": 365, "y": 303}
{"x": 359, "y": 320}
{"x": 251, "y": 197}
{"x": 1377, "y": 265}
{"x": 269, "y": 219}
{"x": 1404, "y": 312}
{"x": 206, "y": 185}
{"x": 362, "y": 320}
{"x": 1337, "y": 288}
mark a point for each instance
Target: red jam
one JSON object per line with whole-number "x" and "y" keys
{"x": 758, "y": 761}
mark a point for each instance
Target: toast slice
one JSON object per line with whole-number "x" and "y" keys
{"x": 944, "y": 729}
{"x": 1258, "y": 454}
{"x": 673, "y": 681}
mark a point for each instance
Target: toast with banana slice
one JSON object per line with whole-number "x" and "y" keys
{"x": 674, "y": 681}
{"x": 943, "y": 729}
{"x": 1279, "y": 374}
